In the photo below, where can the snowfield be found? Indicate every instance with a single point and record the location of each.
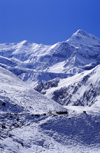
(50, 96)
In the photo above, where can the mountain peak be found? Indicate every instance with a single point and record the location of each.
(82, 32)
(83, 37)
(26, 42)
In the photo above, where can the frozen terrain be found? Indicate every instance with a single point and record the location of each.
(29, 122)
(34, 63)
(79, 90)
(63, 115)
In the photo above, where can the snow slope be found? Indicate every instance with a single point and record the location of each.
(15, 93)
(36, 62)
(28, 122)
(67, 72)
(81, 89)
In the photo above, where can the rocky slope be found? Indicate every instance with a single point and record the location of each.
(82, 89)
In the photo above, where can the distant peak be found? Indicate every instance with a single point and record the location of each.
(83, 37)
(82, 32)
(25, 42)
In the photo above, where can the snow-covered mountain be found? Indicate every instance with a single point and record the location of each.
(29, 122)
(16, 96)
(65, 115)
(20, 107)
(36, 62)
(81, 89)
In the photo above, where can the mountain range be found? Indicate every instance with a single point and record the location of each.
(49, 96)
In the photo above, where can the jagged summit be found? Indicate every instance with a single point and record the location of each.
(83, 37)
(82, 32)
(36, 62)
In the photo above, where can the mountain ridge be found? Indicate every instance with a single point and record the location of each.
(66, 118)
(23, 57)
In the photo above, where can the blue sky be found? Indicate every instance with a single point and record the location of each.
(47, 21)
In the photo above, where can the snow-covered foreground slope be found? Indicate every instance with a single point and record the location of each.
(20, 97)
(49, 134)
(29, 122)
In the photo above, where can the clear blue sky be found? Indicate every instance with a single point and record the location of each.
(47, 21)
